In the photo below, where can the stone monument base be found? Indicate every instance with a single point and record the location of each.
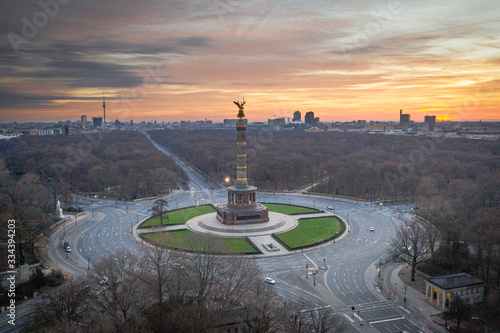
(257, 213)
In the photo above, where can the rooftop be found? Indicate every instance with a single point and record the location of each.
(453, 281)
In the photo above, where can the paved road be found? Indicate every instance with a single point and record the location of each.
(348, 280)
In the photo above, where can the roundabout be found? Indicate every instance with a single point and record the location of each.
(305, 228)
(347, 282)
(209, 224)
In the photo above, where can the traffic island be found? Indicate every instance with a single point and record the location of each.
(311, 232)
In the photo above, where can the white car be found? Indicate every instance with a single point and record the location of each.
(330, 207)
(68, 249)
(269, 280)
(372, 229)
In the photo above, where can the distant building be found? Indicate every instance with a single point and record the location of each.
(84, 120)
(297, 116)
(313, 130)
(309, 118)
(49, 131)
(97, 121)
(440, 290)
(30, 132)
(316, 121)
(430, 122)
(404, 121)
(232, 122)
(276, 122)
(362, 122)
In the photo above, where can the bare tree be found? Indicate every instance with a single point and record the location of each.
(157, 269)
(304, 316)
(237, 279)
(432, 234)
(122, 296)
(67, 303)
(458, 310)
(204, 269)
(411, 241)
(267, 310)
(160, 209)
(324, 321)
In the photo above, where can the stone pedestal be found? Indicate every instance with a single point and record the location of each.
(242, 207)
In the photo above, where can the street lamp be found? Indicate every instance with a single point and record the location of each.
(314, 275)
(314, 204)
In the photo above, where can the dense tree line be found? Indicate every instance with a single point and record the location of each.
(119, 164)
(36, 171)
(357, 165)
(165, 291)
(455, 184)
(28, 202)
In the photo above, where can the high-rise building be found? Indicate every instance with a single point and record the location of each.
(404, 120)
(97, 121)
(309, 118)
(297, 116)
(430, 122)
(316, 121)
(84, 120)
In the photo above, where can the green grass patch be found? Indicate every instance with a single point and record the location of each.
(290, 209)
(309, 230)
(183, 239)
(179, 216)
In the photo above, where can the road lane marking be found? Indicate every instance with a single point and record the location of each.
(407, 311)
(310, 260)
(385, 320)
(350, 319)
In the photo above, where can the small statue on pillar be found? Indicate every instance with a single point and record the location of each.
(241, 113)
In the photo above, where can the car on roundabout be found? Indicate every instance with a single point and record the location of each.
(269, 280)
(372, 229)
(330, 207)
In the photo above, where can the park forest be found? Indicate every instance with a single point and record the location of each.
(36, 171)
(454, 183)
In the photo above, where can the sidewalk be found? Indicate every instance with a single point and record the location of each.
(425, 316)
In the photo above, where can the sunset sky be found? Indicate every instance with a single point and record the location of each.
(188, 60)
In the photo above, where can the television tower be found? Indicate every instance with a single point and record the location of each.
(104, 109)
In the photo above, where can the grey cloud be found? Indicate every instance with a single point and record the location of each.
(12, 100)
(80, 73)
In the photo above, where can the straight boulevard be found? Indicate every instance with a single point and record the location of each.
(348, 280)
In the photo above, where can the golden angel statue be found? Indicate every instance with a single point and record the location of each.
(241, 113)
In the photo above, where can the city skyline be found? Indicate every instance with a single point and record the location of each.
(171, 61)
